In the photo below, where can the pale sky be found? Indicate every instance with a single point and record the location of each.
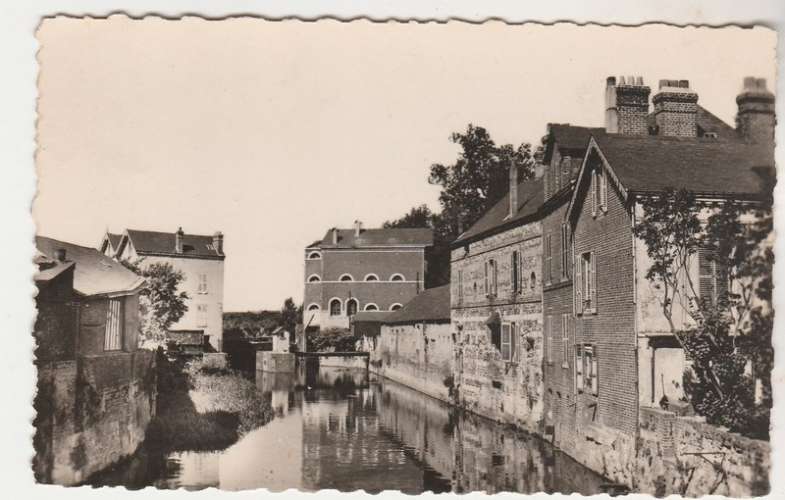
(273, 132)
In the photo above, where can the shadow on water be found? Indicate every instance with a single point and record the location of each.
(344, 429)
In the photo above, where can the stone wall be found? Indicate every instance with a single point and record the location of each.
(506, 390)
(418, 355)
(686, 456)
(91, 412)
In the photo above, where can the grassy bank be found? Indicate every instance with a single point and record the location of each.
(203, 409)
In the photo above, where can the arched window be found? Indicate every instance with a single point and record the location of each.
(532, 280)
(395, 307)
(397, 277)
(314, 256)
(313, 307)
(346, 277)
(371, 307)
(351, 307)
(335, 307)
(314, 278)
(371, 277)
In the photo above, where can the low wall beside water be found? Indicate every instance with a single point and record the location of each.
(91, 412)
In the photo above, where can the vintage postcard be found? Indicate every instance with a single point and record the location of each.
(419, 257)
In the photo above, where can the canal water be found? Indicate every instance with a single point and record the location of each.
(346, 429)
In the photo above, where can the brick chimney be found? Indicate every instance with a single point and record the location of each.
(335, 235)
(626, 105)
(60, 254)
(218, 241)
(178, 240)
(755, 119)
(358, 227)
(513, 207)
(676, 109)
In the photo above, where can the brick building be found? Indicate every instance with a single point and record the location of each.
(610, 355)
(496, 308)
(201, 260)
(96, 390)
(351, 270)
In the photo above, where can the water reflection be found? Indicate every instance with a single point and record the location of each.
(341, 429)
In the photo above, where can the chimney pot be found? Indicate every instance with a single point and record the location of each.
(178, 240)
(756, 119)
(513, 208)
(335, 236)
(60, 254)
(358, 227)
(676, 109)
(218, 242)
(610, 81)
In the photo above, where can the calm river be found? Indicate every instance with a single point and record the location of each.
(346, 430)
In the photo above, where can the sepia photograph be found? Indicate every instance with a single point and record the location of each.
(404, 256)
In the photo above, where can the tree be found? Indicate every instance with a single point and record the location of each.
(418, 217)
(731, 328)
(161, 304)
(289, 315)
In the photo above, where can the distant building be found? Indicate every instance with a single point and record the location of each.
(96, 390)
(200, 258)
(351, 270)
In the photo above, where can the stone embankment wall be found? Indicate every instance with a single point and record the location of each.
(354, 362)
(91, 412)
(687, 456)
(418, 355)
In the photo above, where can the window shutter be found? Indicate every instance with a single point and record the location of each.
(485, 289)
(505, 343)
(593, 282)
(579, 368)
(593, 193)
(578, 284)
(520, 272)
(513, 342)
(603, 190)
(595, 389)
(707, 283)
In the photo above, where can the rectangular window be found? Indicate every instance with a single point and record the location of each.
(514, 272)
(565, 340)
(491, 278)
(202, 288)
(201, 315)
(586, 278)
(579, 368)
(586, 369)
(548, 258)
(486, 287)
(506, 341)
(113, 336)
(593, 192)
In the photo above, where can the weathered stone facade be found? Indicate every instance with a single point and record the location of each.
(504, 388)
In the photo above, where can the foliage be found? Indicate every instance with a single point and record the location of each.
(252, 323)
(290, 314)
(161, 303)
(477, 179)
(731, 331)
(332, 340)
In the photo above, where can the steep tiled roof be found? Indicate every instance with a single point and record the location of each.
(569, 138)
(95, 273)
(159, 243)
(703, 166)
(530, 199)
(371, 316)
(114, 239)
(433, 304)
(378, 237)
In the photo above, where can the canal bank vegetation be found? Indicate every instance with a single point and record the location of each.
(202, 409)
(332, 340)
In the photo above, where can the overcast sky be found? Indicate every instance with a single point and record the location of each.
(273, 132)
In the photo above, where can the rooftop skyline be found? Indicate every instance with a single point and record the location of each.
(273, 132)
